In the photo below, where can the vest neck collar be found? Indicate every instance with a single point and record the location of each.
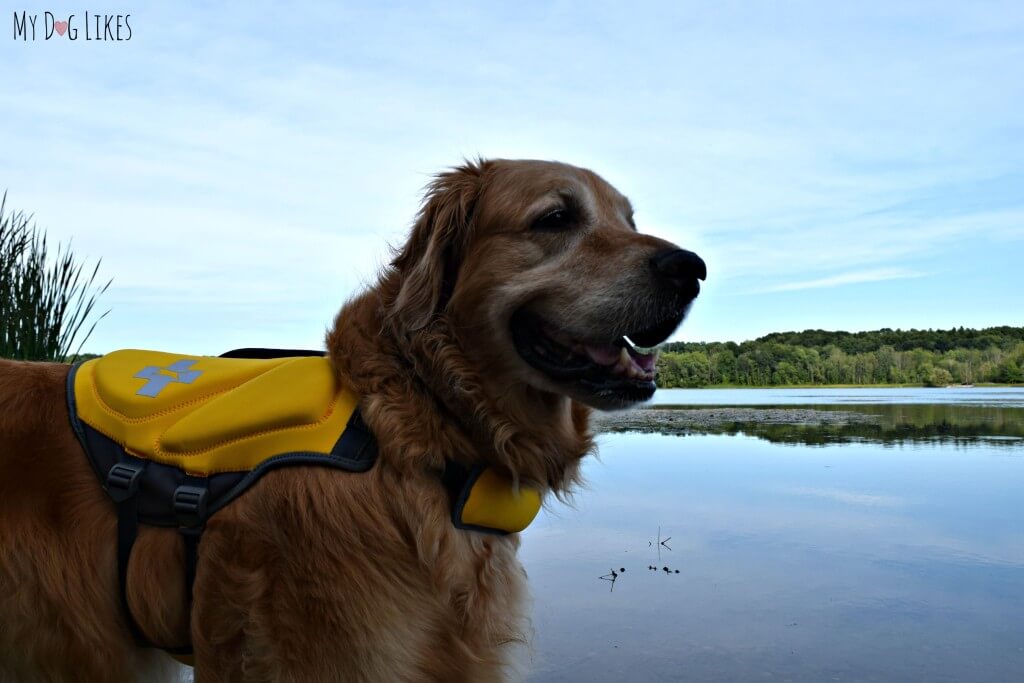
(484, 500)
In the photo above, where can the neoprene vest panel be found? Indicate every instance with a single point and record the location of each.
(224, 421)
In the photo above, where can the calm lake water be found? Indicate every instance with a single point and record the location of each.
(892, 552)
(1011, 397)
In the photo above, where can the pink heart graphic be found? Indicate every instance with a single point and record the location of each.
(60, 26)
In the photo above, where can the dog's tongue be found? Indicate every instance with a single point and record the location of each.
(604, 354)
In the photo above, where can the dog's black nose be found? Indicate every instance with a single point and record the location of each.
(679, 267)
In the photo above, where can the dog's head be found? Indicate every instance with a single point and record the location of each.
(540, 273)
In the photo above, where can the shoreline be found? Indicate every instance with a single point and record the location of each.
(683, 420)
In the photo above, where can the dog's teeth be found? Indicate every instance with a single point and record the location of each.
(624, 358)
(642, 350)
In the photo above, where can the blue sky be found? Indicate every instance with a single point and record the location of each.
(242, 170)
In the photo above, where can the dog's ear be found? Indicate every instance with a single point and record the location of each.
(428, 263)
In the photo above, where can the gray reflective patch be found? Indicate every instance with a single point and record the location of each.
(157, 380)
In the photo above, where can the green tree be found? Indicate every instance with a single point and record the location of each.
(1010, 371)
(723, 367)
(938, 377)
(994, 354)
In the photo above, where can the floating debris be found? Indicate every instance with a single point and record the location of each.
(611, 577)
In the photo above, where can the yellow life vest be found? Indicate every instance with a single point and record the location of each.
(206, 415)
(176, 437)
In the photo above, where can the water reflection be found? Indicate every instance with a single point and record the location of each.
(888, 424)
(844, 562)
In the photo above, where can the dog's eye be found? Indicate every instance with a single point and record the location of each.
(559, 219)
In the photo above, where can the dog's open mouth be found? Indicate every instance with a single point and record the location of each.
(621, 370)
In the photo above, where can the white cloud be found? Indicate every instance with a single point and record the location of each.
(849, 278)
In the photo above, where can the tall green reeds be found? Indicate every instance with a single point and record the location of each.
(44, 303)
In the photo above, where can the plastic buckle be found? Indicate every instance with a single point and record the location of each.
(190, 505)
(123, 480)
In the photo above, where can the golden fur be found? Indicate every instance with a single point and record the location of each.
(317, 575)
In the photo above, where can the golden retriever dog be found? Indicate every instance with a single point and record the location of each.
(524, 297)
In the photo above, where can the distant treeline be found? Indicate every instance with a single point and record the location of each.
(929, 357)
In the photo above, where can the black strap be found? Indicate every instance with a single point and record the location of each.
(264, 354)
(190, 507)
(454, 479)
(122, 485)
